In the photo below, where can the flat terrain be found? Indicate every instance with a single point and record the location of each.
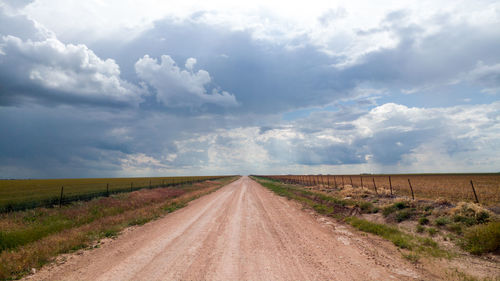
(242, 231)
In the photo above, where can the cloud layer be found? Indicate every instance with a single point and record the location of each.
(262, 88)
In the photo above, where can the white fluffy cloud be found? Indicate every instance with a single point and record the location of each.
(32, 57)
(178, 87)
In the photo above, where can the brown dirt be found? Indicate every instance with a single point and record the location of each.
(242, 231)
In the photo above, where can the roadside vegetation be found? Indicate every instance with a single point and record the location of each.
(32, 238)
(421, 228)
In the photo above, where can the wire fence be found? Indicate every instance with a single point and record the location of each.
(18, 195)
(480, 188)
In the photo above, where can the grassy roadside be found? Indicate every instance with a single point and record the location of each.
(32, 238)
(411, 246)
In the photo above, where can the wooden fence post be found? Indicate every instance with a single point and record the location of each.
(342, 181)
(335, 179)
(60, 198)
(390, 184)
(411, 188)
(474, 190)
(107, 189)
(361, 177)
(351, 181)
(374, 185)
(131, 185)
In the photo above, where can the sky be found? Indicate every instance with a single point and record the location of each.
(123, 88)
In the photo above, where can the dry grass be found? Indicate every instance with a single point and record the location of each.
(79, 224)
(452, 187)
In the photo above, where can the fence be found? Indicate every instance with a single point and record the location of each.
(483, 188)
(25, 194)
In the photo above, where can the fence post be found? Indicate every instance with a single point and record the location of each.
(374, 185)
(411, 188)
(107, 189)
(361, 177)
(335, 179)
(342, 181)
(474, 190)
(131, 184)
(60, 198)
(149, 183)
(352, 185)
(328, 180)
(390, 184)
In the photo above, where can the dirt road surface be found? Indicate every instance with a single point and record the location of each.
(240, 232)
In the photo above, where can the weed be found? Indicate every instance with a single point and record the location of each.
(404, 214)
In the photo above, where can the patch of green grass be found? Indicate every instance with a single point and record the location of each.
(483, 238)
(390, 233)
(170, 207)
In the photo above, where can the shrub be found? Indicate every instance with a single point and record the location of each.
(394, 207)
(404, 215)
(469, 221)
(423, 221)
(483, 238)
(432, 231)
(367, 207)
(420, 229)
(442, 221)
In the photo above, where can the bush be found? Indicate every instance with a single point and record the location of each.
(442, 221)
(394, 207)
(423, 221)
(404, 215)
(483, 238)
(469, 221)
(432, 231)
(420, 229)
(367, 207)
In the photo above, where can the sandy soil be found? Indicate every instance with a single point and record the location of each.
(240, 232)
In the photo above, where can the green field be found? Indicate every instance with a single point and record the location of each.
(24, 194)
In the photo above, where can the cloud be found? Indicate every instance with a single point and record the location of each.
(43, 68)
(176, 87)
(487, 76)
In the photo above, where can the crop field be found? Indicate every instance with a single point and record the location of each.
(25, 194)
(452, 187)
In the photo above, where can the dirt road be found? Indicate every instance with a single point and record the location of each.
(240, 232)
